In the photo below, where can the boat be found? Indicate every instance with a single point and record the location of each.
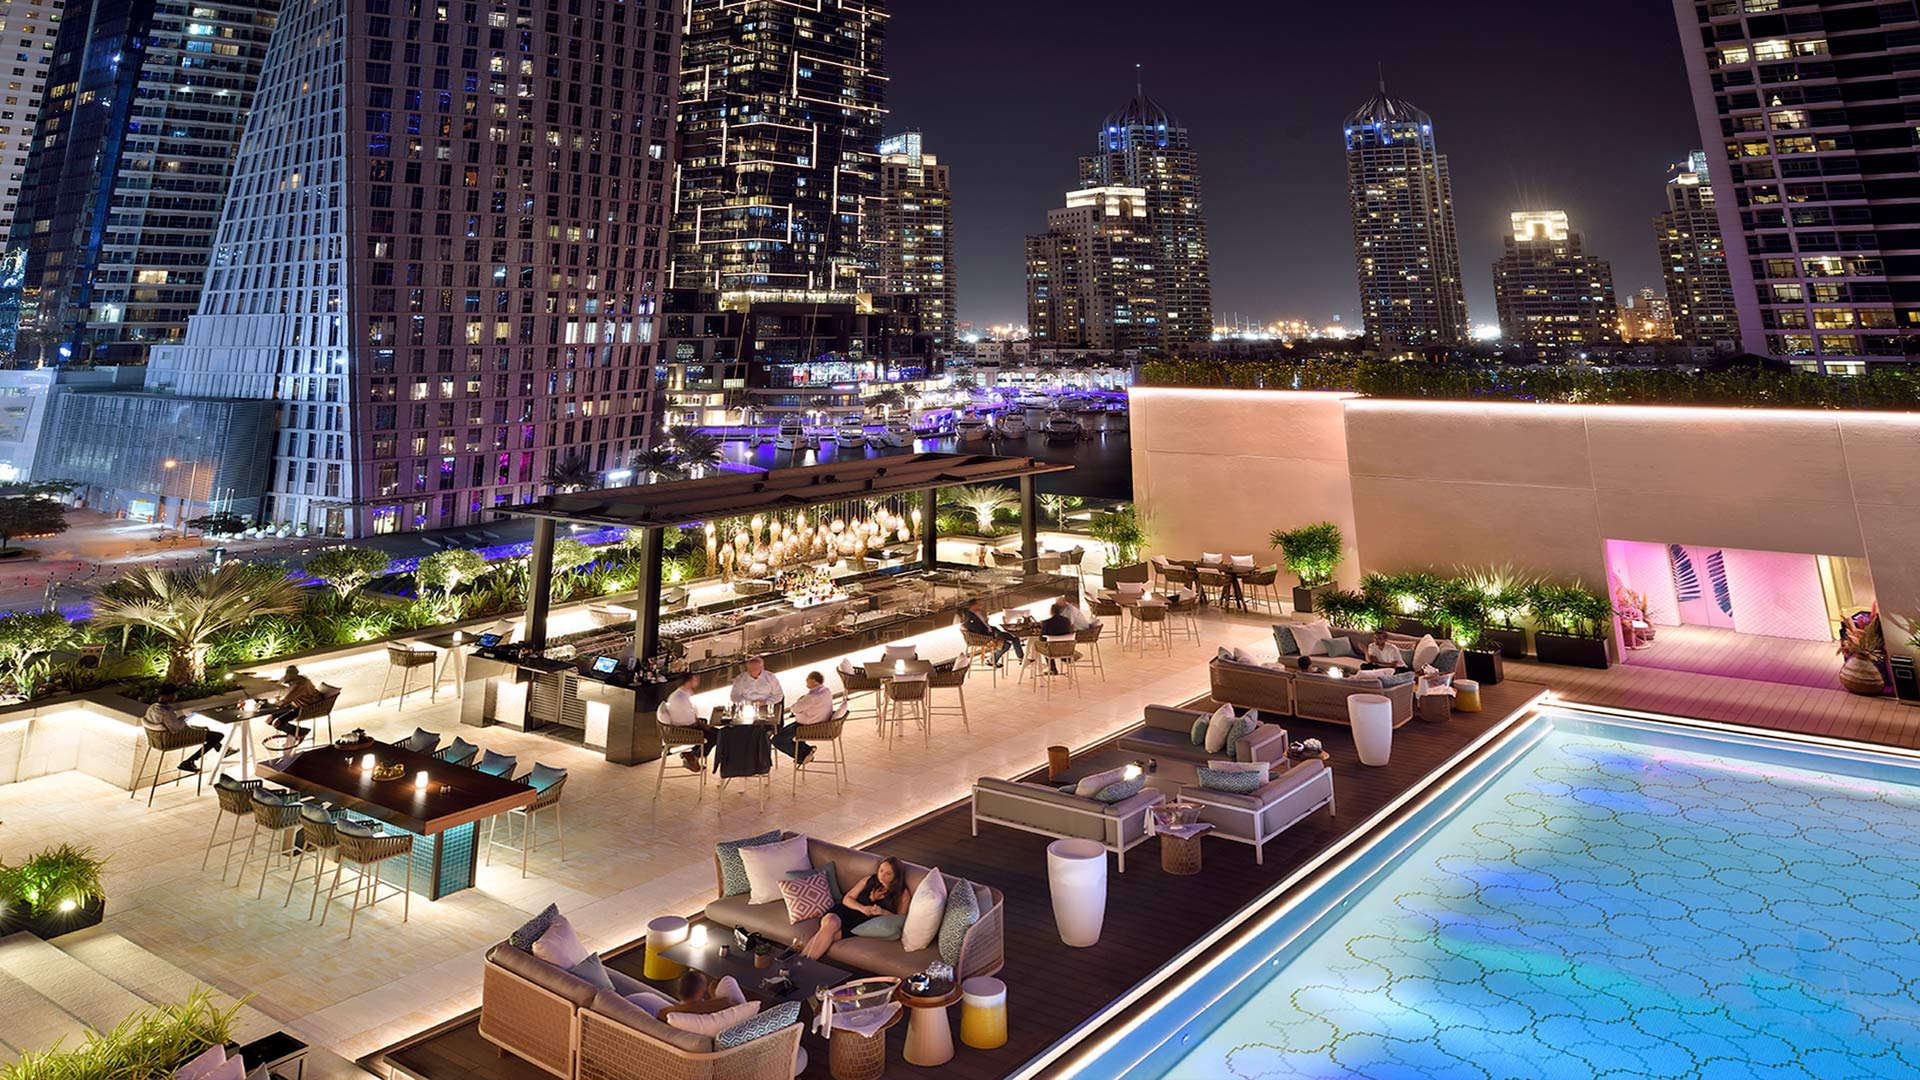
(1087, 414)
(1012, 424)
(897, 434)
(794, 436)
(970, 428)
(851, 432)
(1061, 427)
(1117, 419)
(1034, 399)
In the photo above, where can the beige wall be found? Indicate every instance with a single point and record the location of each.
(1445, 484)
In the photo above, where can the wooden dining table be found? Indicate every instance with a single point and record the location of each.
(1233, 575)
(444, 816)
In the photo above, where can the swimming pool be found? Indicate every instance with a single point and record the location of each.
(1598, 897)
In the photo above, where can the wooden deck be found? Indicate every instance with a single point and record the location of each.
(1709, 650)
(1151, 916)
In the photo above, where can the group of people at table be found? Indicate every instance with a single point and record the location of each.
(760, 689)
(297, 692)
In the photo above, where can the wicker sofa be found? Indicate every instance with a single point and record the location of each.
(1282, 691)
(1269, 810)
(560, 1023)
(982, 951)
(1037, 808)
(1166, 732)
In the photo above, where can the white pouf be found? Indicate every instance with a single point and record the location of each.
(1371, 717)
(1077, 878)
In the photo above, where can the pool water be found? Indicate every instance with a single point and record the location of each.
(1609, 904)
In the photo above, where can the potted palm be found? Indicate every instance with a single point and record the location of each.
(1503, 596)
(1463, 613)
(1350, 610)
(54, 892)
(1312, 553)
(1572, 625)
(1410, 600)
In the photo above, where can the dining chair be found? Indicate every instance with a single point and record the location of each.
(674, 740)
(820, 736)
(1151, 625)
(276, 816)
(365, 848)
(318, 839)
(907, 700)
(1105, 610)
(981, 649)
(1263, 584)
(954, 679)
(406, 659)
(457, 752)
(1182, 618)
(320, 708)
(523, 822)
(856, 683)
(1060, 657)
(496, 764)
(162, 740)
(1089, 640)
(235, 805)
(421, 741)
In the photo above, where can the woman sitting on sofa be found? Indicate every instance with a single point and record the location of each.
(883, 892)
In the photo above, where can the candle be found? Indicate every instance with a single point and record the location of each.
(1133, 771)
(366, 763)
(698, 936)
(420, 780)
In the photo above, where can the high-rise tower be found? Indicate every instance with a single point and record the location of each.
(1692, 259)
(28, 29)
(1405, 248)
(442, 253)
(1142, 146)
(1090, 278)
(131, 158)
(1554, 298)
(915, 235)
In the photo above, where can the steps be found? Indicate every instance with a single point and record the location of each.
(93, 979)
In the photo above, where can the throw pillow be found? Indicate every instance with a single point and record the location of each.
(833, 878)
(593, 971)
(1446, 658)
(1237, 783)
(806, 896)
(1264, 768)
(884, 927)
(713, 1023)
(767, 864)
(1224, 653)
(1197, 735)
(1212, 558)
(1242, 656)
(1242, 727)
(962, 911)
(1217, 725)
(208, 1060)
(649, 1002)
(531, 930)
(1131, 588)
(1312, 637)
(1340, 645)
(1089, 785)
(1391, 679)
(559, 946)
(1120, 790)
(1243, 562)
(924, 912)
(733, 873)
(1424, 651)
(778, 1018)
(1283, 637)
(846, 668)
(234, 1068)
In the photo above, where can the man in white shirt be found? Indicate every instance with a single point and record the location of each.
(757, 685)
(813, 707)
(1383, 652)
(1075, 615)
(680, 711)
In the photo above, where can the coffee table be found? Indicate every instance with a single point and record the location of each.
(808, 976)
(929, 1035)
(1168, 775)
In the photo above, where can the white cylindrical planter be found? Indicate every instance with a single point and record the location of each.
(1077, 878)
(1371, 717)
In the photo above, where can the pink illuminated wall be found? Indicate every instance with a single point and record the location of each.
(1753, 592)
(1643, 568)
(1776, 594)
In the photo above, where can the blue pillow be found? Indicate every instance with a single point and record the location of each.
(1283, 637)
(459, 751)
(884, 927)
(1340, 645)
(769, 1021)
(531, 930)
(1445, 659)
(275, 798)
(496, 764)
(545, 776)
(1197, 735)
(593, 971)
(1237, 783)
(1398, 678)
(1241, 728)
(1120, 790)
(421, 741)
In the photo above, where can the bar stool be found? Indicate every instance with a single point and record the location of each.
(676, 738)
(277, 815)
(1090, 655)
(317, 838)
(421, 741)
(907, 699)
(981, 649)
(819, 736)
(235, 798)
(859, 682)
(546, 782)
(1263, 585)
(457, 752)
(954, 679)
(1181, 619)
(321, 708)
(1107, 609)
(406, 659)
(983, 1013)
(1151, 625)
(164, 740)
(1054, 660)
(1214, 577)
(366, 851)
(496, 764)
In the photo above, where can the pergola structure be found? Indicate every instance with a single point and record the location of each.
(654, 508)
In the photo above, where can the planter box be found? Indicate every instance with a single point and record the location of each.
(1401, 624)
(1303, 596)
(1574, 651)
(1511, 644)
(1484, 667)
(1112, 576)
(54, 923)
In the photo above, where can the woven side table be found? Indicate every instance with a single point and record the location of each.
(859, 1057)
(1180, 848)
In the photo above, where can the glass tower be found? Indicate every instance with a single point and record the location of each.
(1405, 248)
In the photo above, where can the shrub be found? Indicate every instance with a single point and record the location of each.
(1312, 552)
(445, 571)
(1121, 534)
(1351, 610)
(149, 1045)
(345, 568)
(1573, 610)
(47, 880)
(1463, 613)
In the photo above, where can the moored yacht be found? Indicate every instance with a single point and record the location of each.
(1061, 427)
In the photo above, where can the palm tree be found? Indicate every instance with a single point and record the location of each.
(695, 450)
(889, 399)
(657, 463)
(983, 501)
(191, 607)
(572, 473)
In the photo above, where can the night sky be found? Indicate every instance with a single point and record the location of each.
(1577, 106)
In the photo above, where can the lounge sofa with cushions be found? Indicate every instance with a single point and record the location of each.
(1268, 810)
(567, 1026)
(1166, 732)
(1038, 808)
(1282, 691)
(1251, 686)
(982, 949)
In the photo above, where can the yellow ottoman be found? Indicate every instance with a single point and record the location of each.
(1466, 695)
(664, 933)
(983, 1013)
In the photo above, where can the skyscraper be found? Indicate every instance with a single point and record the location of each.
(780, 120)
(130, 160)
(1646, 316)
(1553, 297)
(915, 236)
(1692, 259)
(1805, 116)
(1142, 146)
(1090, 276)
(443, 259)
(28, 29)
(1404, 244)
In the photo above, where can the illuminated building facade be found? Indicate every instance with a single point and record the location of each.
(1091, 279)
(443, 260)
(1807, 115)
(915, 239)
(1553, 297)
(1646, 316)
(1692, 259)
(131, 157)
(28, 29)
(1405, 249)
(1142, 146)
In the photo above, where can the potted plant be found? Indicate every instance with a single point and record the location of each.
(1350, 610)
(1410, 600)
(1865, 648)
(53, 892)
(1312, 553)
(153, 1042)
(1503, 595)
(1121, 536)
(1572, 625)
(1463, 613)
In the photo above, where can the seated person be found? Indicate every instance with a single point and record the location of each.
(973, 619)
(1057, 624)
(1384, 653)
(1075, 615)
(299, 693)
(757, 686)
(680, 711)
(883, 892)
(162, 714)
(813, 707)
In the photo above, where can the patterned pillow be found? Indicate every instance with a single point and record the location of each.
(1238, 783)
(1241, 729)
(1120, 789)
(833, 877)
(1198, 735)
(963, 910)
(806, 895)
(733, 872)
(774, 1019)
(531, 930)
(1445, 659)
(1283, 637)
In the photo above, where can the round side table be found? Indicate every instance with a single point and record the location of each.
(929, 1035)
(858, 1057)
(1180, 854)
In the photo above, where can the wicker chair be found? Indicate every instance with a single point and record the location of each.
(857, 683)
(907, 699)
(1150, 625)
(523, 822)
(235, 798)
(820, 736)
(421, 741)
(1263, 585)
(458, 752)
(1105, 610)
(1182, 618)
(610, 1049)
(1052, 660)
(1211, 577)
(1089, 640)
(163, 740)
(280, 822)
(981, 649)
(405, 658)
(321, 708)
(674, 738)
(317, 838)
(365, 854)
(955, 680)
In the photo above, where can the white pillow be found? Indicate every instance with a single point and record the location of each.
(1264, 768)
(1212, 558)
(559, 945)
(925, 911)
(1091, 785)
(210, 1059)
(713, 1023)
(1437, 684)
(1131, 588)
(234, 1068)
(1218, 725)
(903, 652)
(846, 667)
(1312, 637)
(770, 864)
(1243, 562)
(1424, 651)
(1242, 656)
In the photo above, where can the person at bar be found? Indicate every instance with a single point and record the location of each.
(757, 686)
(162, 714)
(973, 619)
(299, 693)
(679, 711)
